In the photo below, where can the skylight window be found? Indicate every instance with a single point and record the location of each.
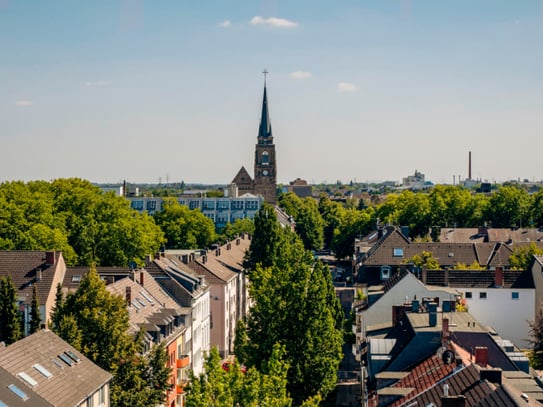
(66, 359)
(27, 379)
(136, 305)
(2, 404)
(73, 356)
(144, 294)
(397, 252)
(22, 395)
(143, 303)
(57, 363)
(76, 278)
(42, 370)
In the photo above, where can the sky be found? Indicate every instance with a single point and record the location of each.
(358, 90)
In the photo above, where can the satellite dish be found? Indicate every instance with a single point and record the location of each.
(447, 357)
(440, 351)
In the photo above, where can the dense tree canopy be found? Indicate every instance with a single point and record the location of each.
(75, 217)
(306, 215)
(184, 228)
(295, 306)
(10, 318)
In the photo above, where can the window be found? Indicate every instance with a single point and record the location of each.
(265, 158)
(138, 205)
(43, 370)
(237, 205)
(515, 295)
(194, 204)
(22, 395)
(101, 397)
(385, 273)
(482, 295)
(209, 205)
(151, 205)
(76, 278)
(469, 295)
(397, 252)
(27, 379)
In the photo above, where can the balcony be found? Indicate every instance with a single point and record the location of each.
(183, 361)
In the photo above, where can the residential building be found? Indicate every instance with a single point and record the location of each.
(221, 210)
(190, 291)
(47, 371)
(224, 272)
(29, 268)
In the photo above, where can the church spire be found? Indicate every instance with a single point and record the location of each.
(265, 131)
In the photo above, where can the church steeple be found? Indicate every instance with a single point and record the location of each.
(265, 180)
(265, 131)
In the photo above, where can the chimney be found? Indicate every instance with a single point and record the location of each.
(148, 260)
(481, 355)
(228, 246)
(237, 241)
(50, 258)
(498, 276)
(38, 274)
(432, 314)
(491, 375)
(128, 295)
(204, 258)
(141, 278)
(445, 328)
(453, 401)
(398, 311)
(469, 166)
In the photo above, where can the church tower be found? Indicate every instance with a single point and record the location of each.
(265, 179)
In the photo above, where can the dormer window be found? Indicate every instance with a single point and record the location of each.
(385, 273)
(397, 252)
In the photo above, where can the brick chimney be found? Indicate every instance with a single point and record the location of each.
(50, 258)
(141, 278)
(128, 295)
(481, 355)
(498, 276)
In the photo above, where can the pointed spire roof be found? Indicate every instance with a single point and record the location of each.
(265, 130)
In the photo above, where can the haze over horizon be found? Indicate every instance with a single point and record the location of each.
(361, 90)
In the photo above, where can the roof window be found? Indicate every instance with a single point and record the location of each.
(397, 252)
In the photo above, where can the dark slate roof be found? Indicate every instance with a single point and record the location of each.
(69, 385)
(23, 265)
(466, 381)
(265, 130)
(496, 356)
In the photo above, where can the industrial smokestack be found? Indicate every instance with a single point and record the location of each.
(469, 167)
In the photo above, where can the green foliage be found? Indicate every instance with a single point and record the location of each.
(10, 318)
(353, 224)
(509, 207)
(75, 217)
(309, 222)
(184, 228)
(424, 260)
(294, 305)
(522, 256)
(473, 266)
(536, 340)
(35, 314)
(217, 387)
(239, 227)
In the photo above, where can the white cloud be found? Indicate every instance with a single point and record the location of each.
(24, 103)
(300, 75)
(224, 24)
(273, 22)
(97, 83)
(346, 87)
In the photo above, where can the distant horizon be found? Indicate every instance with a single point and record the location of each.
(357, 90)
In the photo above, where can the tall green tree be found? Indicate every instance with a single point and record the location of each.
(509, 207)
(536, 340)
(237, 228)
(10, 318)
(295, 306)
(522, 256)
(234, 387)
(35, 314)
(184, 228)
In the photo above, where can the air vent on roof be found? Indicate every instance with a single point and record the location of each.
(42, 370)
(27, 379)
(22, 395)
(57, 363)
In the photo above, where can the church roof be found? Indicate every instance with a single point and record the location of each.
(265, 131)
(242, 177)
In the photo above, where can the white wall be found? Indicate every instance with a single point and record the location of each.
(508, 316)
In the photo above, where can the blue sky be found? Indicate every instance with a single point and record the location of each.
(358, 90)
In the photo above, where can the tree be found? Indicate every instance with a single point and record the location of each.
(295, 305)
(239, 227)
(509, 207)
(217, 387)
(473, 266)
(266, 240)
(35, 314)
(522, 256)
(10, 318)
(536, 339)
(354, 224)
(184, 228)
(424, 260)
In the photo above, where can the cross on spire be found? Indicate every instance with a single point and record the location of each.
(265, 72)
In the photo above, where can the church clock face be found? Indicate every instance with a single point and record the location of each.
(265, 172)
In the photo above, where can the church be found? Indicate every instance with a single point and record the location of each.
(264, 182)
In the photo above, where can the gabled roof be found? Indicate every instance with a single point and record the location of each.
(225, 263)
(68, 385)
(242, 177)
(32, 267)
